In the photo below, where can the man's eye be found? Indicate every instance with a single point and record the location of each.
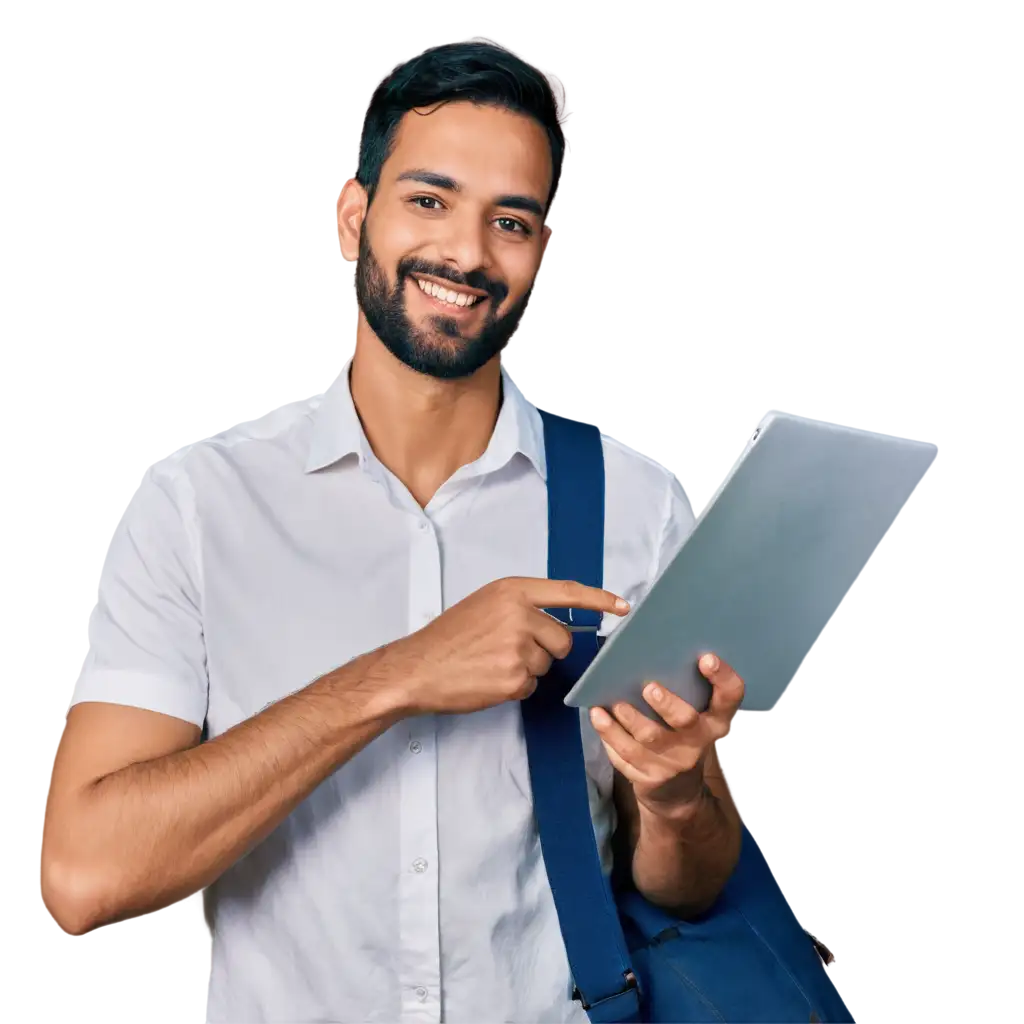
(514, 225)
(419, 200)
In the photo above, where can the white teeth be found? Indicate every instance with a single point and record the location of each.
(446, 295)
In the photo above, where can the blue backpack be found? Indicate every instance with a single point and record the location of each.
(747, 958)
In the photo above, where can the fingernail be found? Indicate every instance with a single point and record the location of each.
(621, 605)
(654, 692)
(598, 716)
(710, 662)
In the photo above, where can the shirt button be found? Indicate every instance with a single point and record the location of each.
(419, 865)
(421, 993)
(423, 524)
(415, 746)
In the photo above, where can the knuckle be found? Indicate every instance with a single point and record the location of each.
(564, 644)
(686, 716)
(524, 679)
(510, 660)
(519, 616)
(511, 636)
(509, 614)
(527, 688)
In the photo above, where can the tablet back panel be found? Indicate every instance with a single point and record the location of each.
(765, 566)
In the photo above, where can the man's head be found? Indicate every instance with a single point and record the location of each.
(459, 161)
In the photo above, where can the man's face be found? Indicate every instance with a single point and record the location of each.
(458, 209)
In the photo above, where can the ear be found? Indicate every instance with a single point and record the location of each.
(352, 205)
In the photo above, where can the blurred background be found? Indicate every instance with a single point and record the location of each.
(808, 207)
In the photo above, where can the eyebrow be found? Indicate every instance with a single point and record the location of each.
(511, 202)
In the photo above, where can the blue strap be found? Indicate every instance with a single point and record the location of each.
(595, 945)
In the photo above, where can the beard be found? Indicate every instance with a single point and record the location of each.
(440, 350)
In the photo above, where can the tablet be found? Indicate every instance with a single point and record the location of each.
(765, 566)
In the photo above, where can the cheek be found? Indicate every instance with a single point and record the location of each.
(393, 238)
(405, 236)
(519, 275)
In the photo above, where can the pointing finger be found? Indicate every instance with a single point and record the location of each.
(570, 594)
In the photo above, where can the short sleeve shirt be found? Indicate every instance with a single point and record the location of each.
(409, 885)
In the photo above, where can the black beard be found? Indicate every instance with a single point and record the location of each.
(385, 313)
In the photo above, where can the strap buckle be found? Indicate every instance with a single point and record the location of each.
(630, 984)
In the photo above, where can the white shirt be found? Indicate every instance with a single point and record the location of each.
(409, 886)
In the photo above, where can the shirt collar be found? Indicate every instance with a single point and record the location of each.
(337, 431)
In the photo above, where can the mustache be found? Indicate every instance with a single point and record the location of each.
(498, 290)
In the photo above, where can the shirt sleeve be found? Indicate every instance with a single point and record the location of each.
(677, 524)
(146, 645)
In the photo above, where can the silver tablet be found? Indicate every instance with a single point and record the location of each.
(765, 566)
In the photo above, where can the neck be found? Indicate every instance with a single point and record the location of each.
(422, 428)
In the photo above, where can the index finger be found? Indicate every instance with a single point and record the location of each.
(571, 594)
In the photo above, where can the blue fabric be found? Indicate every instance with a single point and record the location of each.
(748, 958)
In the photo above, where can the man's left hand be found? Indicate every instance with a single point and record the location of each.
(665, 763)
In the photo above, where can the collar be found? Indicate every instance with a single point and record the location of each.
(337, 431)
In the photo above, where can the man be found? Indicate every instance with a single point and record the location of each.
(364, 834)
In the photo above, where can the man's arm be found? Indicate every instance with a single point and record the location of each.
(140, 815)
(681, 865)
(680, 859)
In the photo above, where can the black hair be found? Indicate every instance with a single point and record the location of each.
(477, 71)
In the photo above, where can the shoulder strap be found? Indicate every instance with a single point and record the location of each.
(587, 914)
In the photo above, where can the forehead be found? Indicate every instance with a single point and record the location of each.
(488, 150)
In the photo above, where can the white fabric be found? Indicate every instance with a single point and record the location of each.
(409, 886)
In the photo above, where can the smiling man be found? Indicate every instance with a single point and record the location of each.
(314, 630)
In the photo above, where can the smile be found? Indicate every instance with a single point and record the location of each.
(447, 295)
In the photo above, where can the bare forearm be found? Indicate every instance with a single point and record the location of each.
(683, 865)
(155, 832)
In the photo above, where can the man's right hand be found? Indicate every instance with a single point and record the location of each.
(492, 646)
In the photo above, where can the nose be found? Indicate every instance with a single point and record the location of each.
(464, 242)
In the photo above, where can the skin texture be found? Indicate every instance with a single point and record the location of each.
(140, 814)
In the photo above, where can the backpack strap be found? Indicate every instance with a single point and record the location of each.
(587, 914)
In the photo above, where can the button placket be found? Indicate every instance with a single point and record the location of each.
(419, 955)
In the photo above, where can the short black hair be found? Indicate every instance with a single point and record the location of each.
(478, 71)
